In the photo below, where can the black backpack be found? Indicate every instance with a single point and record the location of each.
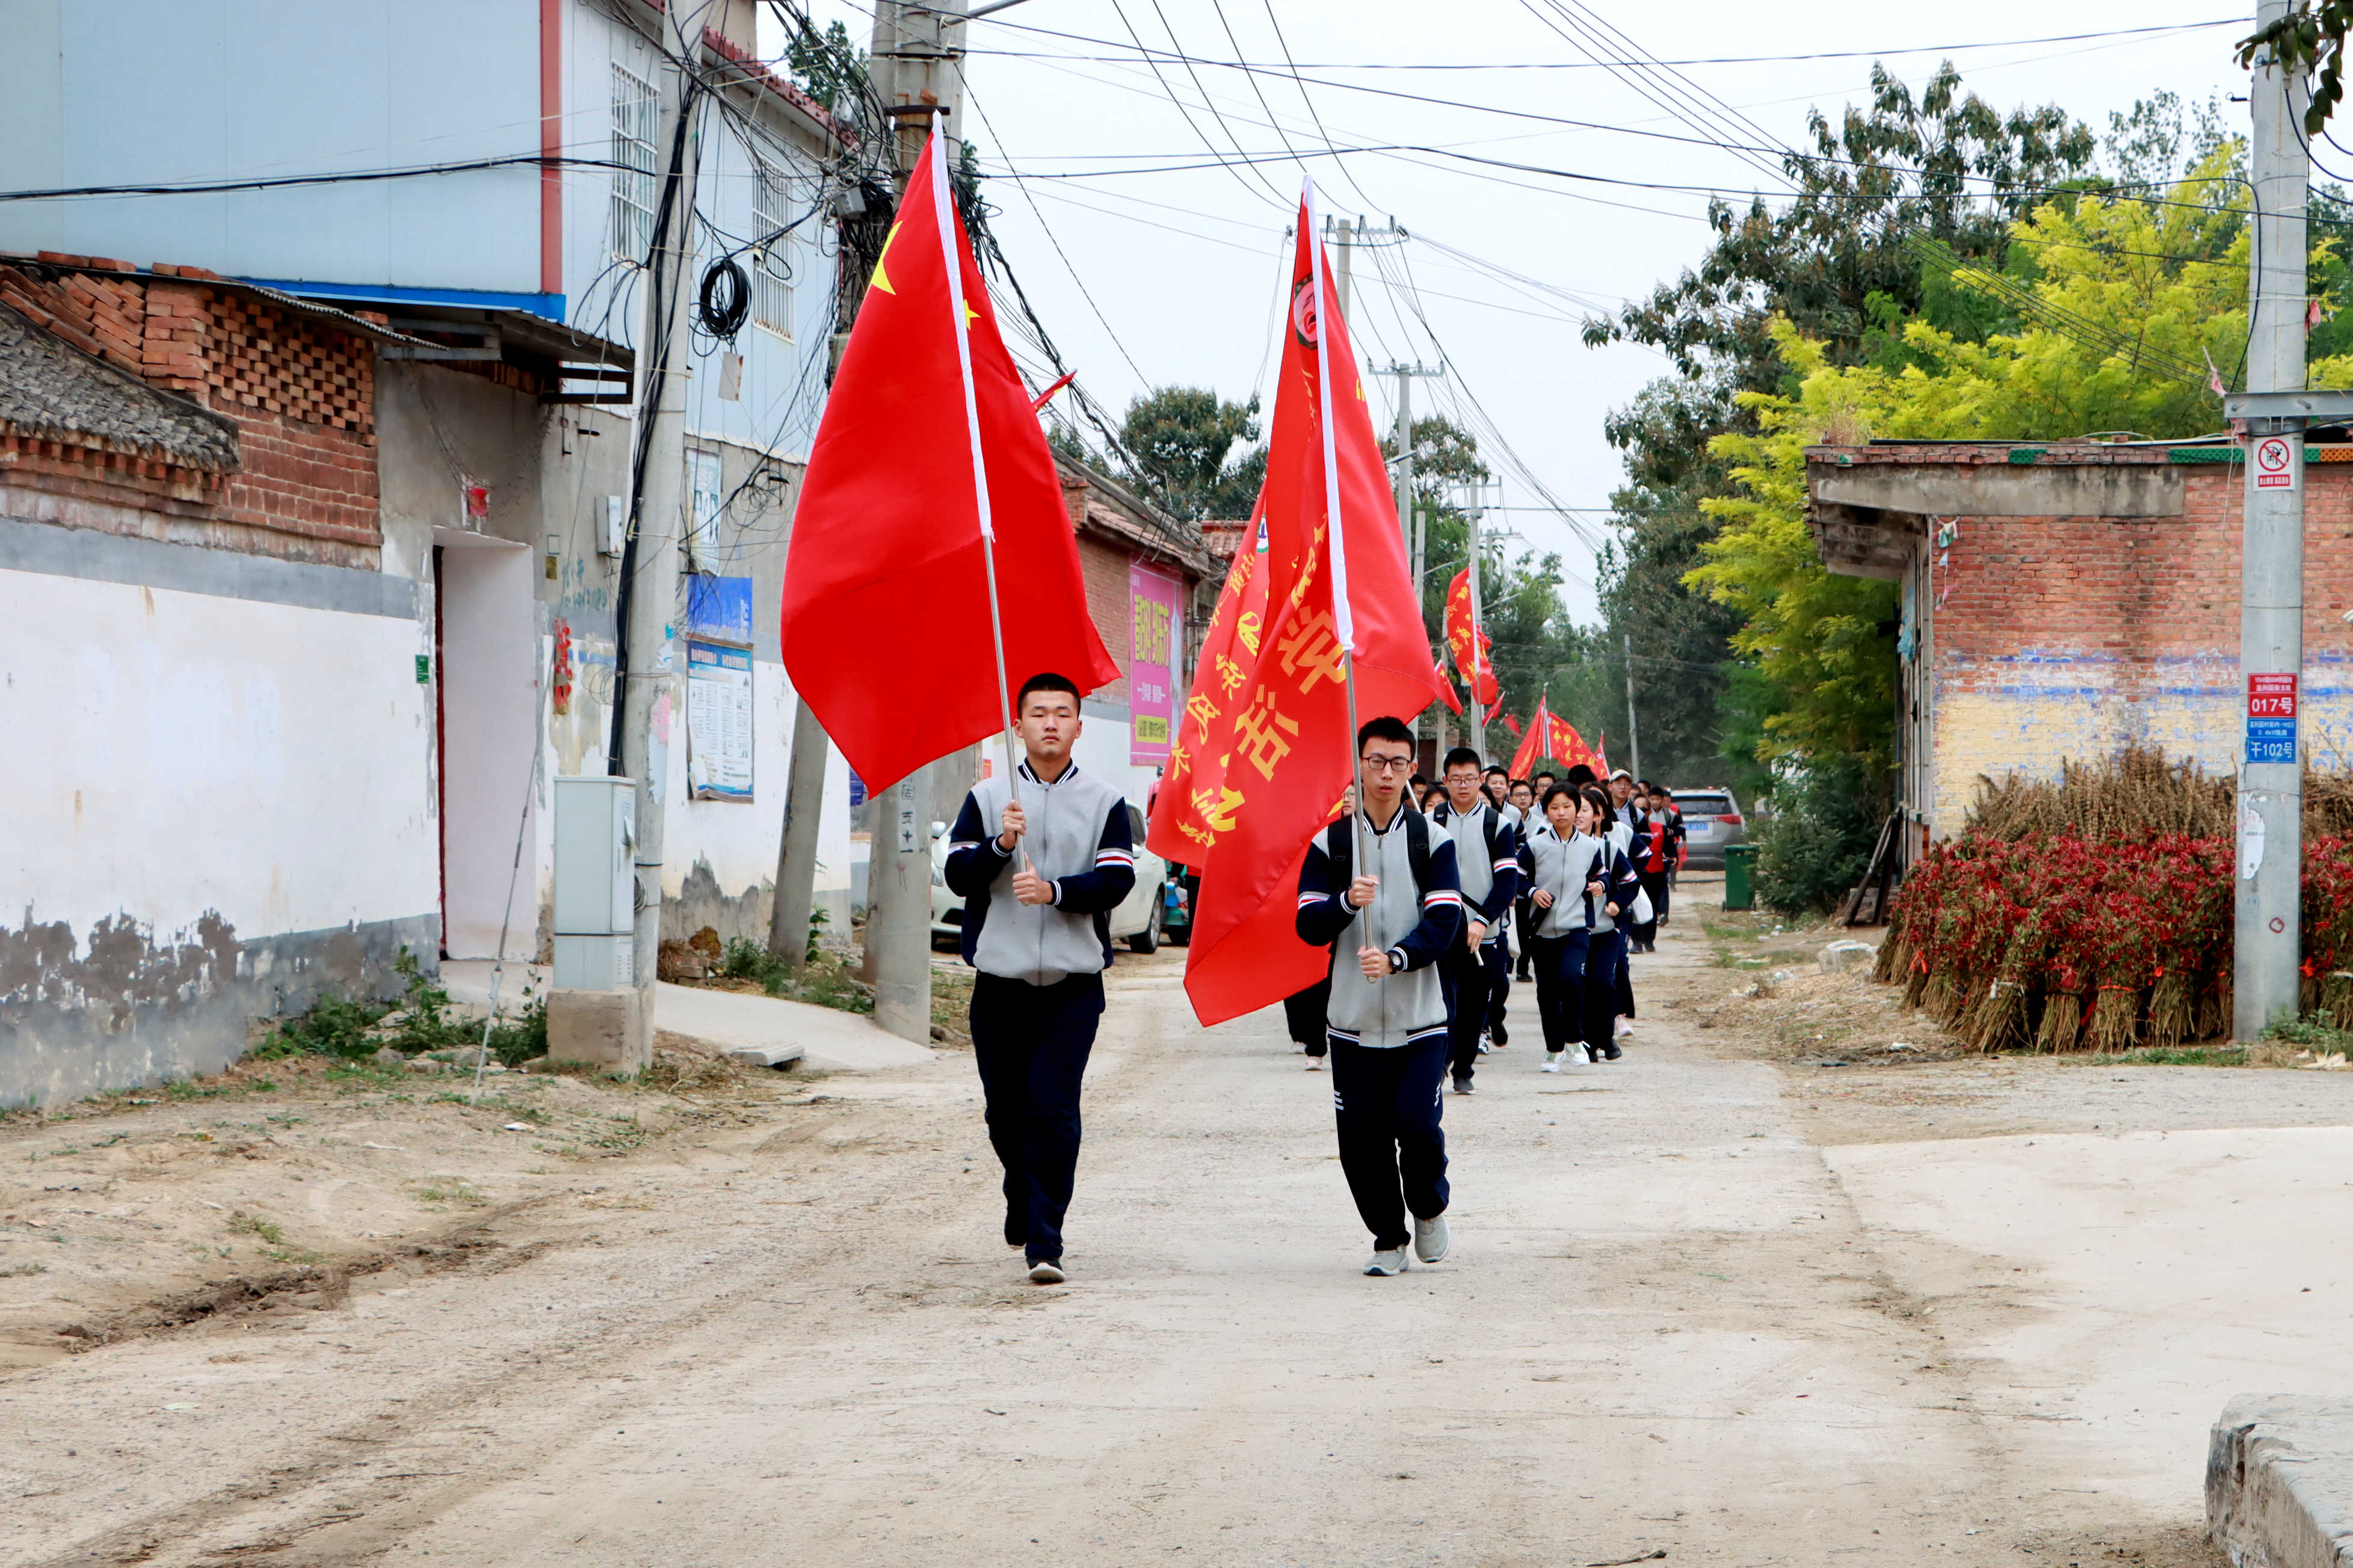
(1340, 849)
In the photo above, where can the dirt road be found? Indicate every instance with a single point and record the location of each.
(1702, 1307)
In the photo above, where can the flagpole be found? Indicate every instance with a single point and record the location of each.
(1342, 614)
(952, 254)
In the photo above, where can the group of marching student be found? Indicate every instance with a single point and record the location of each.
(1415, 907)
(1415, 898)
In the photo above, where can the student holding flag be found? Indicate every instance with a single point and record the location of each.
(931, 500)
(1390, 920)
(1040, 860)
(1319, 624)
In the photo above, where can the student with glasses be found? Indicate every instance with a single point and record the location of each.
(1379, 889)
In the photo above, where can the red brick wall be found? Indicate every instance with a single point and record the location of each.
(302, 394)
(1104, 567)
(2056, 639)
(2135, 589)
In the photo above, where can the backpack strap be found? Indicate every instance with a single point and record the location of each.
(1416, 851)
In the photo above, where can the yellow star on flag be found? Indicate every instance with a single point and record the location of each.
(882, 279)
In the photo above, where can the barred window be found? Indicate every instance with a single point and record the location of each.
(772, 270)
(634, 179)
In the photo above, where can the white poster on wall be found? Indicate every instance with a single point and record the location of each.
(718, 721)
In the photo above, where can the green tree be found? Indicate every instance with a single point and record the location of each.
(827, 67)
(1181, 440)
(1836, 261)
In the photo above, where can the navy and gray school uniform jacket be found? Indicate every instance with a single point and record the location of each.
(1563, 867)
(1419, 924)
(1077, 839)
(1623, 880)
(1486, 860)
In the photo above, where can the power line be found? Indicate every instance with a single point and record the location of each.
(2117, 33)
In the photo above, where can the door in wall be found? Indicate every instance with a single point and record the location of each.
(487, 664)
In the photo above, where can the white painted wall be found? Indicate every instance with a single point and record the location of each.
(179, 753)
(739, 839)
(173, 90)
(490, 697)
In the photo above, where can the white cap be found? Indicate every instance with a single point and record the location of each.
(1621, 774)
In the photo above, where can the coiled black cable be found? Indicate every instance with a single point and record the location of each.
(725, 302)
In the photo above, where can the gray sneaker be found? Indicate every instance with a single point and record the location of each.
(1046, 1271)
(1387, 1264)
(1432, 1240)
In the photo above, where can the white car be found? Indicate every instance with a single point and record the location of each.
(1137, 921)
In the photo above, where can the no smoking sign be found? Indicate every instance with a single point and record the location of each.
(2278, 463)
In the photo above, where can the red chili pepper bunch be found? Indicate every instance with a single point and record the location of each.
(2119, 913)
(2327, 905)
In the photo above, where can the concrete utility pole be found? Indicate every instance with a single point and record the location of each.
(1409, 517)
(2271, 589)
(1634, 743)
(917, 70)
(1340, 271)
(650, 563)
(796, 897)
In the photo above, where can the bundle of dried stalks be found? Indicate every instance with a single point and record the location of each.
(2139, 793)
(2135, 793)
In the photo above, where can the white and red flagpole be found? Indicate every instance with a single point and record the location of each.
(1343, 617)
(952, 253)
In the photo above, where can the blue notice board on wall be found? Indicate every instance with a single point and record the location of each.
(719, 609)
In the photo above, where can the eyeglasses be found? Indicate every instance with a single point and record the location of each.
(1389, 765)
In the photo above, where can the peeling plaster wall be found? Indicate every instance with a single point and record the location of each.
(220, 802)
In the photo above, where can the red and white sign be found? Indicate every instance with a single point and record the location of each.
(2271, 696)
(2276, 463)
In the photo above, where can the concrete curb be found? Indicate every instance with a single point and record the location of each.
(2279, 1481)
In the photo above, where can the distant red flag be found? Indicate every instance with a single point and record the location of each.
(888, 532)
(1470, 641)
(1532, 743)
(1513, 726)
(1335, 579)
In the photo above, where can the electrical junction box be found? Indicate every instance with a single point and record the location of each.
(595, 882)
(613, 528)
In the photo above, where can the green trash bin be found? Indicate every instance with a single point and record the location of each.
(1740, 876)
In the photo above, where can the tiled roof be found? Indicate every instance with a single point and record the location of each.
(52, 390)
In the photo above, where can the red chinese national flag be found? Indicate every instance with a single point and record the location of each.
(1267, 741)
(1470, 641)
(923, 448)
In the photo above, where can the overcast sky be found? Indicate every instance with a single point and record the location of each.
(1183, 265)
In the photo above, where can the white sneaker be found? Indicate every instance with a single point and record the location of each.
(1625, 1028)
(1386, 1264)
(1431, 1239)
(1315, 1064)
(1486, 1043)
(1046, 1271)
(1551, 1062)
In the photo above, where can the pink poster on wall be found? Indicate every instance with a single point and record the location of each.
(1152, 597)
